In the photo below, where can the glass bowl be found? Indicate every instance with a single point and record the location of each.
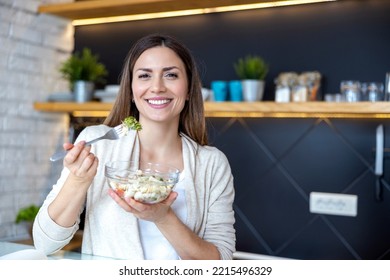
(145, 182)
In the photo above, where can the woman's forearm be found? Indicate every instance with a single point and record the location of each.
(65, 208)
(187, 244)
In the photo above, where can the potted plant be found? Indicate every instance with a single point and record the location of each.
(83, 71)
(27, 214)
(252, 71)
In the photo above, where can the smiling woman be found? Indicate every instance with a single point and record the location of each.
(161, 89)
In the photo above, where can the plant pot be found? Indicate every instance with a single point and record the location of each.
(83, 91)
(252, 90)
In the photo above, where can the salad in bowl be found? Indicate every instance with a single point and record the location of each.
(144, 181)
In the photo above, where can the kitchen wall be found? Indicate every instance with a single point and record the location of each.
(31, 48)
(347, 39)
(281, 161)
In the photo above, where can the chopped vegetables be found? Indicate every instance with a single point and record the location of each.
(131, 123)
(147, 188)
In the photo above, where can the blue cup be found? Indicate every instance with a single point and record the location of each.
(220, 90)
(235, 90)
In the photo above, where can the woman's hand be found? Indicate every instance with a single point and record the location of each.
(151, 212)
(81, 163)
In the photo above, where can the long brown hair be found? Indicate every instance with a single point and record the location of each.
(192, 120)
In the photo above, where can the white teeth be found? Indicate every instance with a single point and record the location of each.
(158, 102)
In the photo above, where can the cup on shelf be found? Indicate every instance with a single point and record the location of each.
(372, 91)
(235, 91)
(351, 91)
(220, 90)
(333, 97)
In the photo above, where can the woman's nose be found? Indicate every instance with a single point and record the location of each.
(158, 85)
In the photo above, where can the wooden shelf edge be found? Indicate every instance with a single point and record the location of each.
(244, 109)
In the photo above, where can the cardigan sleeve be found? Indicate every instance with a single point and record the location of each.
(220, 214)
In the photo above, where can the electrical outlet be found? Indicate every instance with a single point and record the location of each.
(333, 204)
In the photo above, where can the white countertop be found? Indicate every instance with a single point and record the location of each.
(7, 248)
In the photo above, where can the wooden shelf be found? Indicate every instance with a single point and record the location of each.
(243, 109)
(111, 8)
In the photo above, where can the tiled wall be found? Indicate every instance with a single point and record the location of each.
(31, 48)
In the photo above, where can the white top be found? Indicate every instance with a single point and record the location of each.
(154, 244)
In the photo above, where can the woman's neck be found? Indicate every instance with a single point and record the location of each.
(161, 144)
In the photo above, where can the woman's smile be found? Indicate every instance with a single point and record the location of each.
(158, 102)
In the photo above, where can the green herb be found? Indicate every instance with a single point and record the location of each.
(132, 123)
(27, 214)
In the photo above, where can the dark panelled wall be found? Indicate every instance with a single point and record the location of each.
(348, 39)
(278, 162)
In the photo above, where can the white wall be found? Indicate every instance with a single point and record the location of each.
(31, 49)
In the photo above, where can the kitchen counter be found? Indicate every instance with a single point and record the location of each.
(243, 109)
(9, 247)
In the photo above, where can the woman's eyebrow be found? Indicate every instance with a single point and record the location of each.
(168, 68)
(144, 69)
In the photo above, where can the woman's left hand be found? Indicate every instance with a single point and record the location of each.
(151, 212)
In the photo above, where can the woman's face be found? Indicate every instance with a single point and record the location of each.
(160, 85)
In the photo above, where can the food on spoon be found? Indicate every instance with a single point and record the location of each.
(131, 123)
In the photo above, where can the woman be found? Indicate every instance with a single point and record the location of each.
(160, 86)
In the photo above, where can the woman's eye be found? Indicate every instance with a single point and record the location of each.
(171, 75)
(143, 76)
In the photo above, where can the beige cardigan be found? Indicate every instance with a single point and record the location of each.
(110, 231)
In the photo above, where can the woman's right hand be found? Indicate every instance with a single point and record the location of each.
(81, 163)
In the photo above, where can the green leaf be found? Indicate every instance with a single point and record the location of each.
(27, 214)
(132, 123)
(84, 66)
(251, 67)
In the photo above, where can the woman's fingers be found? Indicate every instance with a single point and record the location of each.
(171, 198)
(80, 161)
(67, 146)
(88, 165)
(119, 200)
(75, 152)
(149, 212)
(129, 204)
